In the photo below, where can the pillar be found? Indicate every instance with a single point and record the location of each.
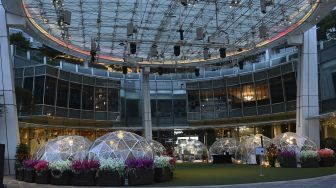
(146, 104)
(307, 88)
(9, 131)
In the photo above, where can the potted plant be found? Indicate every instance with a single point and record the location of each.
(22, 154)
(84, 172)
(163, 168)
(29, 171)
(111, 172)
(287, 159)
(272, 155)
(309, 159)
(42, 172)
(140, 171)
(327, 157)
(60, 172)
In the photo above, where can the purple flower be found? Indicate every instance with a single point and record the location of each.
(140, 163)
(85, 165)
(287, 154)
(29, 163)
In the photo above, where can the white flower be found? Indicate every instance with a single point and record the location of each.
(305, 154)
(112, 165)
(60, 165)
(162, 161)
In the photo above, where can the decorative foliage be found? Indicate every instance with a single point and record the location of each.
(41, 166)
(22, 154)
(29, 163)
(308, 154)
(112, 165)
(246, 149)
(85, 165)
(122, 145)
(287, 154)
(19, 40)
(326, 152)
(329, 143)
(64, 148)
(294, 142)
(61, 166)
(139, 163)
(163, 161)
(224, 145)
(272, 154)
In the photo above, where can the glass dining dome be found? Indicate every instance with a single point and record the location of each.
(293, 142)
(64, 148)
(122, 145)
(222, 145)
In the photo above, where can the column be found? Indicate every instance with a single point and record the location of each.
(146, 104)
(307, 88)
(9, 131)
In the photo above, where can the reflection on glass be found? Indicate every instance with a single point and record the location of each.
(207, 103)
(75, 95)
(62, 93)
(262, 93)
(113, 100)
(234, 97)
(276, 90)
(248, 94)
(290, 86)
(50, 90)
(87, 97)
(193, 101)
(39, 87)
(101, 99)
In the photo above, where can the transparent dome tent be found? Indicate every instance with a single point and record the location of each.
(64, 148)
(157, 147)
(122, 145)
(223, 145)
(192, 148)
(293, 142)
(246, 150)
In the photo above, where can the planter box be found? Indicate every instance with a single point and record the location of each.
(58, 178)
(29, 175)
(327, 161)
(84, 178)
(42, 177)
(162, 174)
(309, 163)
(19, 174)
(288, 162)
(142, 176)
(220, 159)
(110, 178)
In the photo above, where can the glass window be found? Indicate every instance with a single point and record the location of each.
(207, 101)
(234, 97)
(113, 100)
(62, 93)
(132, 112)
(276, 90)
(50, 91)
(28, 83)
(290, 86)
(101, 99)
(220, 99)
(262, 93)
(87, 97)
(193, 101)
(75, 95)
(39, 89)
(248, 94)
(180, 115)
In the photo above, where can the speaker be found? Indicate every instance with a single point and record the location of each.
(222, 52)
(177, 50)
(263, 31)
(67, 17)
(93, 44)
(263, 6)
(133, 47)
(93, 54)
(184, 2)
(197, 72)
(241, 65)
(130, 29)
(2, 160)
(124, 69)
(199, 33)
(160, 71)
(181, 33)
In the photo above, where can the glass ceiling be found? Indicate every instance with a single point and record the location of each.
(233, 24)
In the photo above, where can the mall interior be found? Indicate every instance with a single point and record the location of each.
(166, 70)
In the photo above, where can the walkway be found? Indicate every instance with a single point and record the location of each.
(320, 182)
